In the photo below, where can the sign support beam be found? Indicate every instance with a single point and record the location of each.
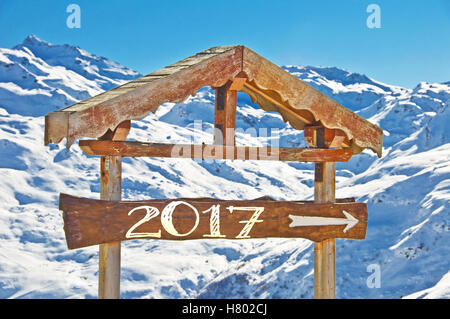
(225, 115)
(111, 189)
(324, 251)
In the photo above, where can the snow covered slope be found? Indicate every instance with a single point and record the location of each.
(407, 190)
(37, 77)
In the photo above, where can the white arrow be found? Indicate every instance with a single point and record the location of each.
(298, 221)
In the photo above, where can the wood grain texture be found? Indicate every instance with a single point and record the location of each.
(332, 138)
(225, 115)
(111, 190)
(325, 269)
(297, 95)
(139, 149)
(91, 222)
(120, 133)
(273, 88)
(110, 251)
(134, 100)
(324, 251)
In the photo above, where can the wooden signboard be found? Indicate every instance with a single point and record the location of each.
(92, 222)
(332, 132)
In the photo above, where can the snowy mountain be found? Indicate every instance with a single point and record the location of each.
(407, 190)
(47, 77)
(353, 90)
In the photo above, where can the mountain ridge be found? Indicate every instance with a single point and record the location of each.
(54, 76)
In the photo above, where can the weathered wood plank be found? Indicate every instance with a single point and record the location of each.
(225, 115)
(325, 269)
(93, 117)
(332, 138)
(303, 115)
(56, 127)
(280, 91)
(324, 251)
(139, 149)
(297, 95)
(91, 222)
(111, 189)
(238, 82)
(110, 251)
(120, 133)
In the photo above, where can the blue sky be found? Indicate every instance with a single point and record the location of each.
(412, 45)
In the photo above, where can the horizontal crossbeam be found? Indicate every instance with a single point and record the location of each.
(214, 152)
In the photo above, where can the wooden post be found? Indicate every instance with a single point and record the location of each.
(324, 251)
(111, 189)
(225, 115)
(109, 254)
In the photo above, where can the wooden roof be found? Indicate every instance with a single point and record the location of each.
(271, 87)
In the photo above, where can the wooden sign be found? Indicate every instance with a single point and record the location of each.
(91, 222)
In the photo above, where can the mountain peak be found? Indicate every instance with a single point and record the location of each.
(34, 40)
(45, 50)
(54, 76)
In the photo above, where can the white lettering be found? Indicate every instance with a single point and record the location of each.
(166, 218)
(214, 222)
(248, 223)
(151, 212)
